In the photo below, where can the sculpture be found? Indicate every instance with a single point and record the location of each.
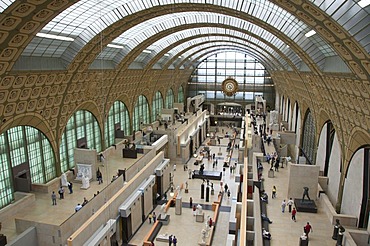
(305, 193)
(204, 234)
(199, 209)
(63, 179)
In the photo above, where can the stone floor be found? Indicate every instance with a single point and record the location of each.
(284, 231)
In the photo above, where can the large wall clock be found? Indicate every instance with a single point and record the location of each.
(229, 86)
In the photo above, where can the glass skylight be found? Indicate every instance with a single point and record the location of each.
(4, 4)
(87, 18)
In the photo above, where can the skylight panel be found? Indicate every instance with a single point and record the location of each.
(364, 3)
(51, 36)
(310, 33)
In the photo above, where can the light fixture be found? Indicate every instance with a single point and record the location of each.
(52, 36)
(147, 51)
(115, 46)
(364, 3)
(166, 54)
(172, 194)
(310, 33)
(180, 56)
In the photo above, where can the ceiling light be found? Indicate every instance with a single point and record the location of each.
(147, 51)
(364, 3)
(310, 33)
(46, 35)
(115, 46)
(166, 54)
(180, 56)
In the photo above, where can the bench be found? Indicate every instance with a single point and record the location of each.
(152, 233)
(165, 220)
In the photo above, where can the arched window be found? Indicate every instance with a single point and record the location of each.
(157, 105)
(169, 99)
(118, 114)
(180, 95)
(308, 142)
(24, 145)
(82, 131)
(141, 113)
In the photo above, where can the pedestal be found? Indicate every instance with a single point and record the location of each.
(178, 208)
(303, 241)
(199, 217)
(335, 233)
(308, 206)
(85, 183)
(186, 190)
(339, 239)
(271, 173)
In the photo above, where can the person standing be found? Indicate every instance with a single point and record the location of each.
(61, 193)
(150, 218)
(226, 187)
(54, 198)
(308, 228)
(273, 192)
(154, 217)
(294, 212)
(191, 202)
(290, 204)
(228, 194)
(283, 205)
(170, 240)
(174, 241)
(70, 185)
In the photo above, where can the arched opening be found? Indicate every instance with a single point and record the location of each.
(26, 157)
(180, 95)
(356, 194)
(308, 139)
(141, 113)
(118, 123)
(157, 105)
(82, 131)
(169, 99)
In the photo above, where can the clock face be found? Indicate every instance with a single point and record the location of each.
(229, 86)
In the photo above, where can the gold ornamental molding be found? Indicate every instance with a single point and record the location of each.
(229, 86)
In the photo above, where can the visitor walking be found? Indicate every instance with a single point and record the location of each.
(61, 193)
(150, 218)
(290, 204)
(294, 212)
(273, 192)
(283, 205)
(154, 217)
(308, 228)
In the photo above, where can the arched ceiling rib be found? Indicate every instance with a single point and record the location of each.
(160, 57)
(186, 50)
(178, 50)
(268, 61)
(208, 51)
(281, 20)
(136, 35)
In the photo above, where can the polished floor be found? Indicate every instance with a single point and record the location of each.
(284, 231)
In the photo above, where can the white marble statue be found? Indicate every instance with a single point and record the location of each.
(63, 180)
(204, 235)
(85, 183)
(199, 209)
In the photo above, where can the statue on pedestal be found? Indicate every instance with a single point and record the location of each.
(204, 235)
(305, 193)
(85, 183)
